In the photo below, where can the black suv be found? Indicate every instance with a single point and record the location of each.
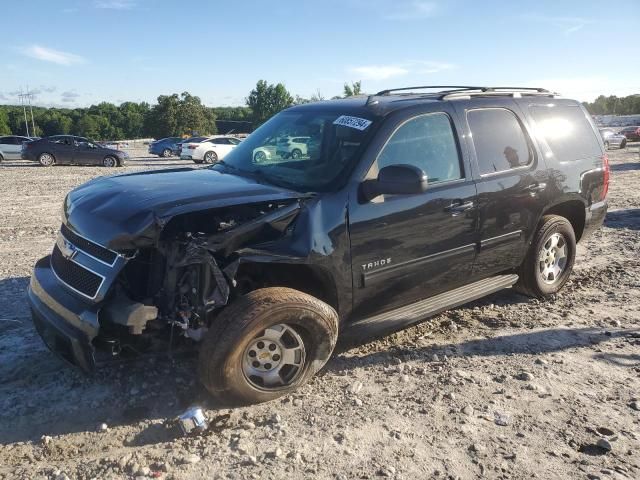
(411, 203)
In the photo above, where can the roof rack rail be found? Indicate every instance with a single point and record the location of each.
(458, 91)
(455, 87)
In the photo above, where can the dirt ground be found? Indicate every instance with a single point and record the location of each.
(507, 387)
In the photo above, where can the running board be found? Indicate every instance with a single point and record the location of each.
(423, 309)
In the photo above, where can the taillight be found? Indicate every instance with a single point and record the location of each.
(191, 146)
(605, 165)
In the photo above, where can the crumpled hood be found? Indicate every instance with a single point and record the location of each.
(129, 211)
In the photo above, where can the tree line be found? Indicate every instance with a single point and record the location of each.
(613, 105)
(172, 115)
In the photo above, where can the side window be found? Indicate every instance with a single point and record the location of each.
(8, 141)
(427, 142)
(499, 140)
(233, 141)
(567, 131)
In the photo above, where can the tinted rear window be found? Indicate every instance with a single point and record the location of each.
(566, 130)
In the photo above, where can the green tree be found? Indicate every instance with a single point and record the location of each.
(4, 123)
(266, 100)
(354, 89)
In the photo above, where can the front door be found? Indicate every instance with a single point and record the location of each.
(87, 153)
(409, 247)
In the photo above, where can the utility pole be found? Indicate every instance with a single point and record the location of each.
(33, 123)
(24, 109)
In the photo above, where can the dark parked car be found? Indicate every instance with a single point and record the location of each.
(71, 150)
(412, 204)
(165, 147)
(11, 147)
(632, 133)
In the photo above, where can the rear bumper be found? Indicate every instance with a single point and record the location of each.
(594, 217)
(66, 324)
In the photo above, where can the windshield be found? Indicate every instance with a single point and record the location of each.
(276, 153)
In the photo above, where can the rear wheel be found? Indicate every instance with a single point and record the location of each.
(166, 152)
(110, 161)
(46, 159)
(550, 259)
(266, 344)
(210, 157)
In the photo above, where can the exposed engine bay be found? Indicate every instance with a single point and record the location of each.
(166, 296)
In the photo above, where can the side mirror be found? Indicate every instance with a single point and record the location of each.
(396, 180)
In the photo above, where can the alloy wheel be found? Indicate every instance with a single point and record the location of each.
(553, 258)
(275, 358)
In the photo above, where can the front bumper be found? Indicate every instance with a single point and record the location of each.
(66, 324)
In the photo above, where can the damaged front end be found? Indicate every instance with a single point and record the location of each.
(157, 298)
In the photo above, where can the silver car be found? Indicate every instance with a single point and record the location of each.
(612, 139)
(11, 147)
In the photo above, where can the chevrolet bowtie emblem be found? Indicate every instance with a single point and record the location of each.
(67, 249)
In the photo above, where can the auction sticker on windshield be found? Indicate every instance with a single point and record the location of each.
(352, 122)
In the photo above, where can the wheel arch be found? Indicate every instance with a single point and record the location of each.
(574, 211)
(306, 278)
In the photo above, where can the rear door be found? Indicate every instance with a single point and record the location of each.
(222, 146)
(511, 179)
(409, 247)
(62, 147)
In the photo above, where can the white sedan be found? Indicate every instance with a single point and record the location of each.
(210, 150)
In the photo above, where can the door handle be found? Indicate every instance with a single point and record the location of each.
(458, 207)
(535, 188)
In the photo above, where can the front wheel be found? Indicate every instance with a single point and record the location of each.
(606, 145)
(46, 159)
(623, 144)
(109, 161)
(296, 153)
(266, 344)
(210, 157)
(260, 157)
(550, 259)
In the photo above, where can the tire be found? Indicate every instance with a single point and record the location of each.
(259, 157)
(1, 157)
(606, 145)
(110, 161)
(623, 144)
(46, 159)
(210, 157)
(542, 275)
(296, 153)
(166, 153)
(236, 355)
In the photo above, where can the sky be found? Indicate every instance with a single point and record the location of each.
(74, 53)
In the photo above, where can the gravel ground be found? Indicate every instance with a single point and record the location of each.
(507, 387)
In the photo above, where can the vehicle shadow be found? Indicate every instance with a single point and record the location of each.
(528, 343)
(625, 167)
(625, 218)
(18, 164)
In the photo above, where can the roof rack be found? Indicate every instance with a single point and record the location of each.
(456, 91)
